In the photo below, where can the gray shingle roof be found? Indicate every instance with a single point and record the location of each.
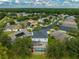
(40, 34)
(26, 33)
(70, 22)
(59, 34)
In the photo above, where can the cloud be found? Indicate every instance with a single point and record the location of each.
(75, 0)
(4, 0)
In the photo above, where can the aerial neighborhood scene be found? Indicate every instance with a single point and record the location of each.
(39, 29)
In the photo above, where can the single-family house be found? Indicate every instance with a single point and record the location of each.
(59, 35)
(40, 41)
(32, 23)
(23, 14)
(14, 27)
(69, 23)
(63, 16)
(20, 34)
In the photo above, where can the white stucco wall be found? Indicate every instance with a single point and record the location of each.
(40, 39)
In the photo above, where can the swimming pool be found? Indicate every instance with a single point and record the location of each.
(40, 49)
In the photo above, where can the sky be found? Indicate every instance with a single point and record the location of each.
(61, 1)
(3, 0)
(53, 0)
(53, 3)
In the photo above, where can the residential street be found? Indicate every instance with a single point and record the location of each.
(43, 32)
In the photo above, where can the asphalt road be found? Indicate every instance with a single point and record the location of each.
(42, 33)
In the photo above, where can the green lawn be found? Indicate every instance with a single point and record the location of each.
(44, 57)
(41, 56)
(38, 57)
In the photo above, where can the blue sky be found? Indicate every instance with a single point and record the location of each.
(61, 1)
(52, 0)
(53, 3)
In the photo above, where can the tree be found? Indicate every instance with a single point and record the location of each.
(69, 47)
(22, 46)
(3, 52)
(22, 18)
(73, 43)
(4, 21)
(55, 49)
(2, 15)
(5, 40)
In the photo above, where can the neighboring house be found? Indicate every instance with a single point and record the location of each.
(40, 41)
(49, 18)
(63, 16)
(59, 34)
(23, 14)
(19, 14)
(41, 20)
(32, 23)
(20, 34)
(69, 23)
(10, 27)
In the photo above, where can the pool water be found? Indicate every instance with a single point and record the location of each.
(39, 49)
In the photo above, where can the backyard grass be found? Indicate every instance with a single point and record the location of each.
(44, 57)
(38, 57)
(34, 56)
